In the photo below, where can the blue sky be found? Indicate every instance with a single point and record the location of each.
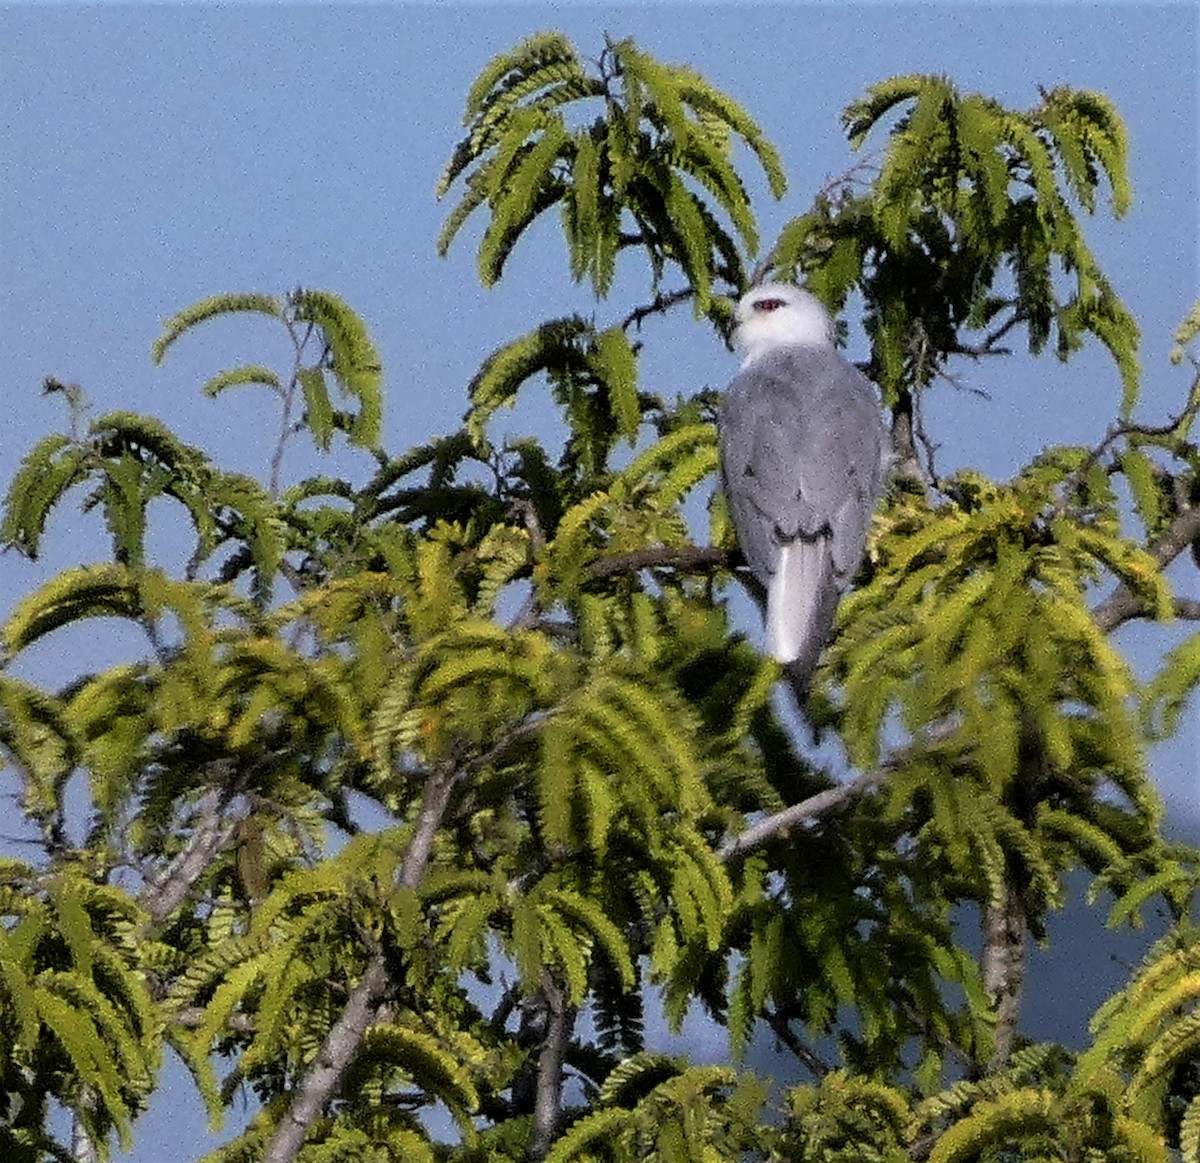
(152, 156)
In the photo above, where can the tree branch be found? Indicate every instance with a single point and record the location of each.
(83, 1146)
(816, 805)
(547, 1104)
(288, 397)
(801, 1049)
(326, 1071)
(1122, 605)
(833, 797)
(663, 302)
(1187, 608)
(907, 429)
(660, 556)
(1003, 966)
(164, 893)
(987, 345)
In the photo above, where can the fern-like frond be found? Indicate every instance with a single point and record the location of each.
(47, 471)
(211, 308)
(353, 358)
(1187, 330)
(1018, 1113)
(237, 376)
(557, 344)
(861, 116)
(87, 592)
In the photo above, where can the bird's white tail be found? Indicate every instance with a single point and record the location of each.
(801, 600)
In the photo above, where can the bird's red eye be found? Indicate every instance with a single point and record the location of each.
(769, 304)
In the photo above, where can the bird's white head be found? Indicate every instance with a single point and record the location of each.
(780, 315)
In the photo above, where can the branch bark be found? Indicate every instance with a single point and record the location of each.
(1123, 605)
(833, 797)
(164, 893)
(816, 805)
(660, 556)
(1003, 965)
(547, 1104)
(324, 1075)
(83, 1146)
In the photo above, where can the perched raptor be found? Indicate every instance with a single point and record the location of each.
(803, 453)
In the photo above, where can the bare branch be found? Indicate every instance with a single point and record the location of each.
(833, 797)
(691, 557)
(524, 508)
(817, 805)
(213, 833)
(987, 345)
(1187, 608)
(1116, 431)
(804, 1053)
(906, 430)
(918, 417)
(663, 302)
(837, 188)
(83, 1146)
(547, 1105)
(288, 396)
(325, 1073)
(1003, 966)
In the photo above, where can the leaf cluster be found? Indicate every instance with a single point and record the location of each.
(967, 226)
(651, 169)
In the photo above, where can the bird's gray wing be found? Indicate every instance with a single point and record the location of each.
(802, 462)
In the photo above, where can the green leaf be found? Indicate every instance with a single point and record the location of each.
(48, 470)
(318, 409)
(614, 364)
(235, 377)
(211, 308)
(353, 358)
(86, 592)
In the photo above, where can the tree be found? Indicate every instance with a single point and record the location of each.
(421, 779)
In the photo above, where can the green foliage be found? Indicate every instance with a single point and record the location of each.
(425, 781)
(967, 226)
(1187, 330)
(214, 307)
(345, 349)
(78, 1024)
(657, 1107)
(593, 376)
(628, 177)
(351, 357)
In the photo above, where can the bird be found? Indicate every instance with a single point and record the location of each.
(804, 455)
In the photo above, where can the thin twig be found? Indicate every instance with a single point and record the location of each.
(807, 1056)
(289, 399)
(918, 420)
(1116, 431)
(987, 345)
(663, 302)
